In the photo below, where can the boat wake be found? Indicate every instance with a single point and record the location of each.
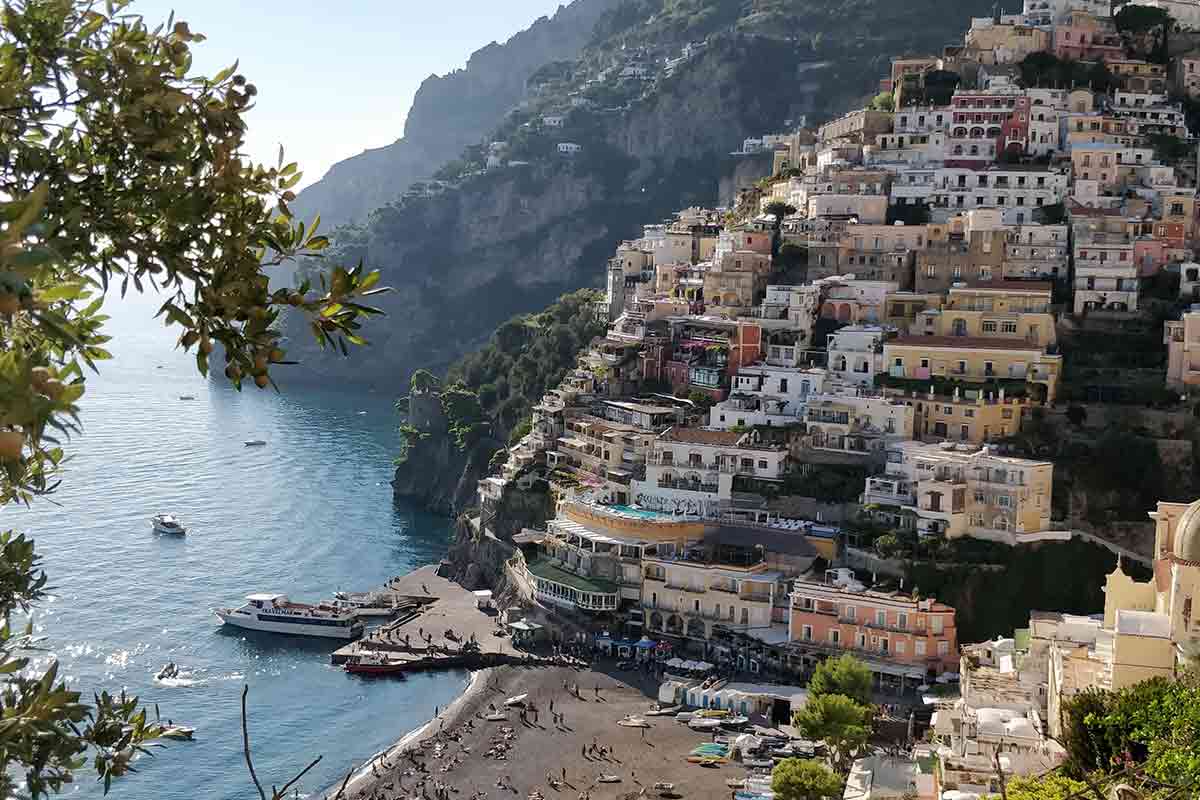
(178, 682)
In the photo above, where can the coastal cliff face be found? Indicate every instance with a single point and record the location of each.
(448, 113)
(435, 474)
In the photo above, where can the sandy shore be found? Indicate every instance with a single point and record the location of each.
(462, 756)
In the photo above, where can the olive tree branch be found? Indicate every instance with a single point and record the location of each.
(246, 744)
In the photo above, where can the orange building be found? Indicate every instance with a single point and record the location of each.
(895, 633)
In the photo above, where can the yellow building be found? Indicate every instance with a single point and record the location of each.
(686, 599)
(996, 310)
(960, 490)
(974, 418)
(1012, 363)
(1149, 629)
(1182, 338)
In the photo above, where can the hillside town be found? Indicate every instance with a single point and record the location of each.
(853, 349)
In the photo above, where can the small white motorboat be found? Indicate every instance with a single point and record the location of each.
(735, 722)
(608, 779)
(255, 442)
(704, 724)
(187, 397)
(519, 700)
(170, 670)
(633, 722)
(165, 523)
(182, 732)
(663, 712)
(496, 717)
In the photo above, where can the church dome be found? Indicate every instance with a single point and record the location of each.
(1187, 534)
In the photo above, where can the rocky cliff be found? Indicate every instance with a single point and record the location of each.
(448, 113)
(434, 473)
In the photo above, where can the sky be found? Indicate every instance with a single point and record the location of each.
(336, 78)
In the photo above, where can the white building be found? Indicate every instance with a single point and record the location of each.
(856, 354)
(1036, 251)
(1106, 274)
(767, 395)
(692, 470)
(553, 120)
(569, 148)
(1015, 190)
(845, 421)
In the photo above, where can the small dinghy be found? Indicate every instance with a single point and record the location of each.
(703, 724)
(255, 442)
(519, 700)
(169, 670)
(609, 779)
(633, 722)
(496, 718)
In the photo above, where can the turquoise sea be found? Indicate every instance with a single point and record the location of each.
(308, 514)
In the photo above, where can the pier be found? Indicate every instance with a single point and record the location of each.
(431, 607)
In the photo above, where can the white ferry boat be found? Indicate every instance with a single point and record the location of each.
(276, 614)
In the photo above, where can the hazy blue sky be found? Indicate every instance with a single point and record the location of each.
(335, 78)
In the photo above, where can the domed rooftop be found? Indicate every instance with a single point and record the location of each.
(1187, 534)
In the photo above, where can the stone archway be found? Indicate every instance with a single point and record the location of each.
(656, 621)
(844, 312)
(696, 629)
(674, 624)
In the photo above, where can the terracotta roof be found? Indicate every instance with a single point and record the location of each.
(963, 342)
(701, 436)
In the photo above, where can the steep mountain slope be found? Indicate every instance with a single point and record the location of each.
(448, 113)
(510, 240)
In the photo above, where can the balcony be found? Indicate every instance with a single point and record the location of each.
(656, 578)
(689, 486)
(755, 598)
(685, 588)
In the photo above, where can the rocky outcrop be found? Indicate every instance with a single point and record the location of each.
(435, 474)
(448, 113)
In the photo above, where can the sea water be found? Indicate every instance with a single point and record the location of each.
(307, 514)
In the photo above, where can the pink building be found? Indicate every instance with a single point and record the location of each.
(1151, 256)
(1084, 37)
(894, 633)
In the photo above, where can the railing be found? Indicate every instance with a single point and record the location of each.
(658, 578)
(710, 488)
(755, 598)
(686, 588)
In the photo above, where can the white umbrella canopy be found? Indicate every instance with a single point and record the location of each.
(675, 662)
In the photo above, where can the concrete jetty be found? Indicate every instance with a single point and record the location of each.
(436, 622)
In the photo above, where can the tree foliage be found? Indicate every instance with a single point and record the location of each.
(1153, 726)
(526, 357)
(799, 779)
(1046, 787)
(844, 675)
(121, 169)
(843, 724)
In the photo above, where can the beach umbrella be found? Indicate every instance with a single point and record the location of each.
(645, 644)
(675, 662)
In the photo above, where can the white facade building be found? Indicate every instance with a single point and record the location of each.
(1015, 191)
(856, 354)
(691, 471)
(767, 395)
